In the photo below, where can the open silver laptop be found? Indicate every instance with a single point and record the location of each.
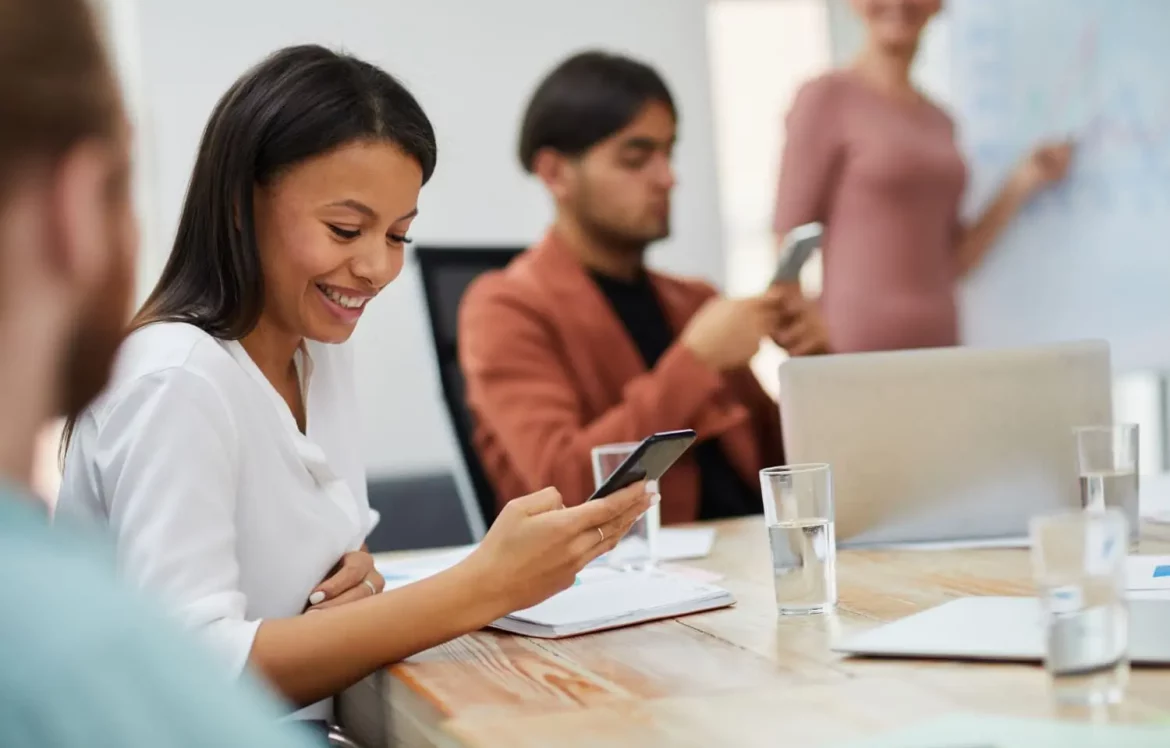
(954, 444)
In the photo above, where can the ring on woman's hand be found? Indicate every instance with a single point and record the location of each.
(601, 533)
(368, 583)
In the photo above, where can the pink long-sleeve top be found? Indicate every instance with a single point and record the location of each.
(885, 177)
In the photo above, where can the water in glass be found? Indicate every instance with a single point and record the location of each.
(1087, 640)
(804, 565)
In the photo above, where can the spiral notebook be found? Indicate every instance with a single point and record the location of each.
(614, 600)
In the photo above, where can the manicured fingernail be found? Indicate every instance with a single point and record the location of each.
(655, 498)
(317, 597)
(651, 486)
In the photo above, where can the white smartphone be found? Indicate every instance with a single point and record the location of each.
(799, 245)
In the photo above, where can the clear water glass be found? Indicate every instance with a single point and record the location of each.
(798, 511)
(1107, 461)
(1078, 561)
(638, 549)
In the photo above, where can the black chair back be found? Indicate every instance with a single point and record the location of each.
(446, 273)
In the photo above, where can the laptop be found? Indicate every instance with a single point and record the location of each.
(1006, 629)
(959, 445)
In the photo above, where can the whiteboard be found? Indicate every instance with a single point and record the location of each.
(1089, 259)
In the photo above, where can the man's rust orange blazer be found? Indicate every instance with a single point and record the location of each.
(551, 373)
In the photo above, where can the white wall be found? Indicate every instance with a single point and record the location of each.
(932, 66)
(762, 51)
(472, 64)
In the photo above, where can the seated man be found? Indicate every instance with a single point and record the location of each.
(576, 344)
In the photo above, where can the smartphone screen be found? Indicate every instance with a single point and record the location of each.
(650, 460)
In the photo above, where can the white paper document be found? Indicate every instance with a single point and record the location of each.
(682, 544)
(401, 572)
(1147, 573)
(674, 544)
(602, 598)
(616, 600)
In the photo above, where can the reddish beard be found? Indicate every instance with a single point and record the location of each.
(95, 342)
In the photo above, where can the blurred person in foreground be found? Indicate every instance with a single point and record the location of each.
(875, 161)
(577, 344)
(83, 662)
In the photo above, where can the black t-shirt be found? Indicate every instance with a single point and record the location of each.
(723, 493)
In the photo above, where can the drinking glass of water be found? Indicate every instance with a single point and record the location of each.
(798, 509)
(638, 549)
(1078, 560)
(1107, 457)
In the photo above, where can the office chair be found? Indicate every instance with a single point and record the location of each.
(446, 273)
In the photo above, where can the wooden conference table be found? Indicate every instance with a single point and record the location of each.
(736, 677)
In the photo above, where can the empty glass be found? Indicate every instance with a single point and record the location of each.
(637, 551)
(1107, 460)
(798, 510)
(1078, 560)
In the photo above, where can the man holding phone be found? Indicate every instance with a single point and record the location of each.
(577, 344)
(807, 334)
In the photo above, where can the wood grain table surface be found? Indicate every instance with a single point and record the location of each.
(741, 676)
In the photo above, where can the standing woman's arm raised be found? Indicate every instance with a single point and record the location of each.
(1040, 168)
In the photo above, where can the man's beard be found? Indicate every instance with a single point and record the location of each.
(609, 234)
(94, 346)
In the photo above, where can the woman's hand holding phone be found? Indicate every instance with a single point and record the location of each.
(536, 546)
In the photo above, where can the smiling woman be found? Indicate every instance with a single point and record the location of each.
(361, 147)
(224, 455)
(325, 258)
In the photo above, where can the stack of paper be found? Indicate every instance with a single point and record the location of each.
(1147, 577)
(401, 572)
(685, 543)
(620, 599)
(602, 598)
(674, 544)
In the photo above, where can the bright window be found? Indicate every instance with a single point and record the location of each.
(761, 52)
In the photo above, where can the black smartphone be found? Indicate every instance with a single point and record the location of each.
(650, 461)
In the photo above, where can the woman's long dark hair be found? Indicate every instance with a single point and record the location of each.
(297, 103)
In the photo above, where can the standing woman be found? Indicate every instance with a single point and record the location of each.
(225, 455)
(876, 162)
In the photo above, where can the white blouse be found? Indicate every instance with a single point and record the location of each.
(217, 501)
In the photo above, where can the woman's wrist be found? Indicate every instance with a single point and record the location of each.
(1020, 186)
(483, 591)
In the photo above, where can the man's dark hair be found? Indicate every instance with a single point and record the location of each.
(585, 100)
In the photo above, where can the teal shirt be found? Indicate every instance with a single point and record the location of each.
(85, 662)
